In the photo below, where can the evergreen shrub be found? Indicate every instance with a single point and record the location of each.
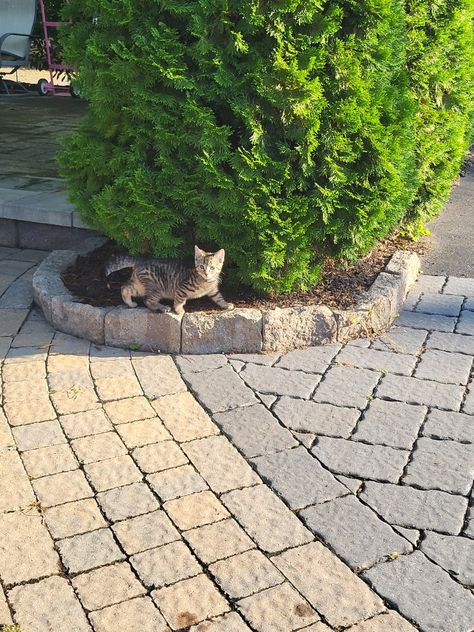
(282, 131)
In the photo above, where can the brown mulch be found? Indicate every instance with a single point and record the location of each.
(340, 287)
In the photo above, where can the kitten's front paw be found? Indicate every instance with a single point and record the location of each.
(179, 310)
(165, 309)
(132, 304)
(229, 307)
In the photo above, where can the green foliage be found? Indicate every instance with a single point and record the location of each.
(282, 131)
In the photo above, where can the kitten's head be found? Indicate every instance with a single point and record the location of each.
(208, 264)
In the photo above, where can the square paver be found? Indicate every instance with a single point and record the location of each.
(177, 482)
(385, 361)
(98, 447)
(145, 532)
(107, 585)
(38, 435)
(344, 386)
(446, 305)
(442, 366)
(310, 360)
(130, 616)
(309, 416)
(62, 488)
(73, 518)
(119, 367)
(89, 422)
(165, 565)
(267, 379)
(49, 460)
(184, 417)
(245, 574)
(74, 400)
(115, 472)
(123, 411)
(143, 432)
(126, 502)
(29, 412)
(442, 424)
(158, 375)
(159, 456)
(216, 541)
(415, 391)
(110, 388)
(15, 488)
(89, 550)
(36, 388)
(195, 510)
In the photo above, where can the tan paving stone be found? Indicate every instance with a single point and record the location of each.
(184, 417)
(115, 472)
(26, 548)
(6, 438)
(189, 601)
(107, 585)
(15, 488)
(86, 423)
(158, 375)
(70, 380)
(245, 574)
(73, 518)
(49, 460)
(220, 464)
(48, 606)
(278, 609)
(136, 615)
(139, 433)
(231, 622)
(159, 456)
(24, 371)
(5, 614)
(62, 488)
(89, 550)
(38, 435)
(195, 510)
(111, 388)
(126, 502)
(29, 412)
(98, 447)
(74, 400)
(145, 532)
(328, 584)
(165, 565)
(387, 621)
(216, 541)
(119, 367)
(179, 481)
(26, 390)
(130, 409)
(60, 363)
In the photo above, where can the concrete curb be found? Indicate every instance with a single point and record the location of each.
(246, 330)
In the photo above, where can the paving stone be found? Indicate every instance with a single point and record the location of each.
(429, 283)
(445, 465)
(158, 375)
(5, 614)
(353, 484)
(254, 430)
(26, 548)
(145, 532)
(454, 554)
(311, 360)
(416, 508)
(344, 386)
(189, 601)
(126, 502)
(5, 342)
(115, 472)
(25, 354)
(424, 593)
(328, 584)
(412, 535)
(230, 622)
(468, 406)
(469, 304)
(245, 574)
(305, 438)
(308, 416)
(198, 363)
(220, 464)
(165, 565)
(459, 285)
(216, 541)
(266, 359)
(266, 519)
(6, 438)
(48, 606)
(382, 623)
(354, 532)
(23, 371)
(220, 389)
(129, 409)
(11, 321)
(159, 456)
(64, 344)
(183, 417)
(267, 399)
(49, 460)
(446, 305)
(74, 400)
(298, 477)
(139, 433)
(89, 422)
(15, 488)
(104, 353)
(130, 616)
(236, 365)
(466, 323)
(390, 423)
(61, 488)
(33, 339)
(69, 380)
(176, 482)
(431, 322)
(107, 585)
(29, 412)
(70, 519)
(66, 362)
(98, 447)
(19, 295)
(120, 368)
(111, 388)
(267, 379)
(89, 550)
(195, 510)
(277, 609)
(374, 462)
(442, 366)
(25, 390)
(384, 361)
(426, 392)
(38, 435)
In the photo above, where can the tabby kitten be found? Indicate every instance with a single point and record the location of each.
(157, 279)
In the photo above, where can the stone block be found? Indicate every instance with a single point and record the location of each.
(11, 320)
(73, 518)
(49, 460)
(158, 375)
(387, 621)
(456, 343)
(15, 489)
(268, 379)
(78, 319)
(363, 321)
(431, 322)
(89, 550)
(219, 540)
(310, 360)
(195, 510)
(308, 416)
(144, 432)
(61, 488)
(165, 565)
(424, 392)
(443, 304)
(107, 585)
(347, 386)
(442, 366)
(113, 472)
(153, 331)
(245, 574)
(453, 553)
(220, 389)
(184, 417)
(85, 423)
(128, 501)
(238, 330)
(459, 285)
(442, 424)
(466, 323)
(384, 361)
(159, 456)
(98, 447)
(130, 409)
(38, 435)
(135, 614)
(177, 482)
(145, 532)
(8, 233)
(230, 622)
(293, 327)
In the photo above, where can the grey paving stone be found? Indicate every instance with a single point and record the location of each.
(309, 416)
(328, 584)
(89, 550)
(107, 585)
(217, 541)
(165, 565)
(459, 285)
(19, 295)
(298, 477)
(266, 359)
(129, 616)
(455, 343)
(198, 363)
(454, 553)
(384, 361)
(424, 392)
(386, 622)
(126, 502)
(468, 406)
(267, 399)
(267, 379)
(442, 366)
(145, 532)
(345, 386)
(445, 465)
(305, 438)
(429, 283)
(254, 430)
(431, 322)
(311, 360)
(246, 573)
(158, 375)
(466, 323)
(469, 304)
(40, 435)
(374, 462)
(443, 304)
(177, 482)
(389, 423)
(412, 535)
(266, 519)
(220, 389)
(11, 321)
(352, 484)
(416, 508)
(424, 593)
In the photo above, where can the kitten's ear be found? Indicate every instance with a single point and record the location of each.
(198, 252)
(220, 255)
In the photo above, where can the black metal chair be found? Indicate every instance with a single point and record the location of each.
(17, 18)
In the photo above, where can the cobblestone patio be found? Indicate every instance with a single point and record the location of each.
(324, 489)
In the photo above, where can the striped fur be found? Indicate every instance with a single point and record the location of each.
(157, 279)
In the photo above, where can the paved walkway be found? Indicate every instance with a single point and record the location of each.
(325, 489)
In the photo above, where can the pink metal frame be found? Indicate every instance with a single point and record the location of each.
(55, 90)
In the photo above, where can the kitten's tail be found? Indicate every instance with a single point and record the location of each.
(119, 262)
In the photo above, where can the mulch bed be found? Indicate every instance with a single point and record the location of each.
(340, 287)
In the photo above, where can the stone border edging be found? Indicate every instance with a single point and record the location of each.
(245, 330)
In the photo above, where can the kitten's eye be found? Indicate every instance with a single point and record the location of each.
(212, 268)
(201, 267)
